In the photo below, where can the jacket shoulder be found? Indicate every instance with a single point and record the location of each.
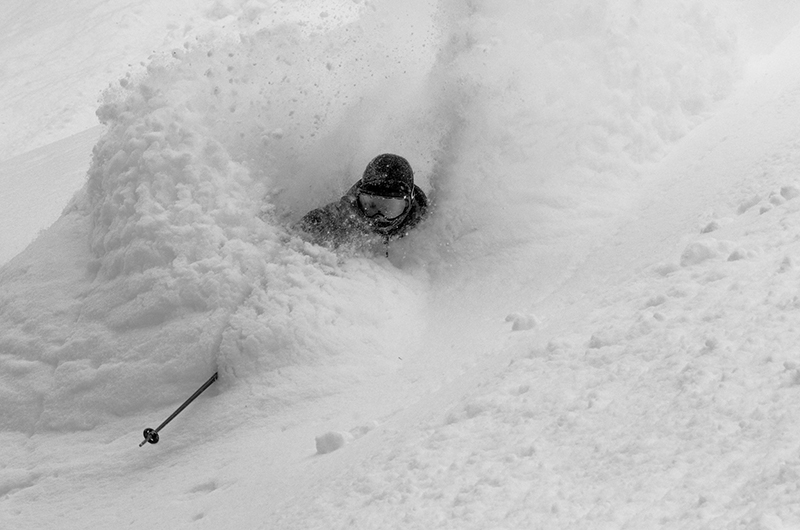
(333, 223)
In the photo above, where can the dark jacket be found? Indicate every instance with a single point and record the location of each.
(342, 222)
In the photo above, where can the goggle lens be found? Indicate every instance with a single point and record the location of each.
(388, 207)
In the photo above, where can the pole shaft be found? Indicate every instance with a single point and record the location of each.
(186, 403)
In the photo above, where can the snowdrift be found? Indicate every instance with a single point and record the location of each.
(527, 124)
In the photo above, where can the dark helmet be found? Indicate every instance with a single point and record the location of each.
(389, 176)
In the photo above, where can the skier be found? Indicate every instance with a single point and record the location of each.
(385, 204)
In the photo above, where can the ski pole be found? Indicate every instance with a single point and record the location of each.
(151, 435)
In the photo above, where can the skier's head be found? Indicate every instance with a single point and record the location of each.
(388, 175)
(386, 190)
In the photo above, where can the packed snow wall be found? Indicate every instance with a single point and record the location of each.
(526, 122)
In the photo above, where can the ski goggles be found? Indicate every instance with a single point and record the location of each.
(388, 207)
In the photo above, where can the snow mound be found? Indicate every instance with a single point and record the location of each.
(332, 441)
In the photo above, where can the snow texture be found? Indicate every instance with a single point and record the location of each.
(595, 327)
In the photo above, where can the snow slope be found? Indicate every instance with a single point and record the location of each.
(585, 333)
(36, 186)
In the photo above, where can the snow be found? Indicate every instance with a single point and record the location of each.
(595, 328)
(331, 441)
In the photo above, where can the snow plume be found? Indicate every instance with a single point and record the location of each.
(190, 266)
(559, 105)
(526, 122)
